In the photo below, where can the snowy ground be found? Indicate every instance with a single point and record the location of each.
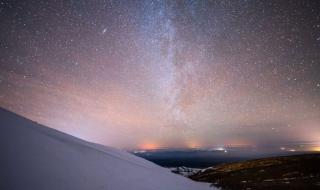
(185, 171)
(39, 158)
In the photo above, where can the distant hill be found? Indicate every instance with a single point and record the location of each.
(300, 172)
(35, 157)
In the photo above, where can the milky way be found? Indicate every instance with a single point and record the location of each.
(165, 74)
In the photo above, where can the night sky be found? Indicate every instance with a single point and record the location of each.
(166, 74)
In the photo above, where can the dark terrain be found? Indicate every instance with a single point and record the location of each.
(189, 158)
(287, 172)
(194, 158)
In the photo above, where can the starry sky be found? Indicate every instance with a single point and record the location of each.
(165, 74)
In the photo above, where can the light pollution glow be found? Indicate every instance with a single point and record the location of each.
(165, 74)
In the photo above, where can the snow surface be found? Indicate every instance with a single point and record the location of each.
(185, 171)
(36, 157)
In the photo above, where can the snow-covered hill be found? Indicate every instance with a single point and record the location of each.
(36, 157)
(185, 171)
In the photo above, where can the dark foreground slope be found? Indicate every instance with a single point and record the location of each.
(291, 172)
(34, 157)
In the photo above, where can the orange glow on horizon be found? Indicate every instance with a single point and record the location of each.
(193, 144)
(316, 149)
(149, 146)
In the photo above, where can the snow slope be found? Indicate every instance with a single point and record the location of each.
(36, 157)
